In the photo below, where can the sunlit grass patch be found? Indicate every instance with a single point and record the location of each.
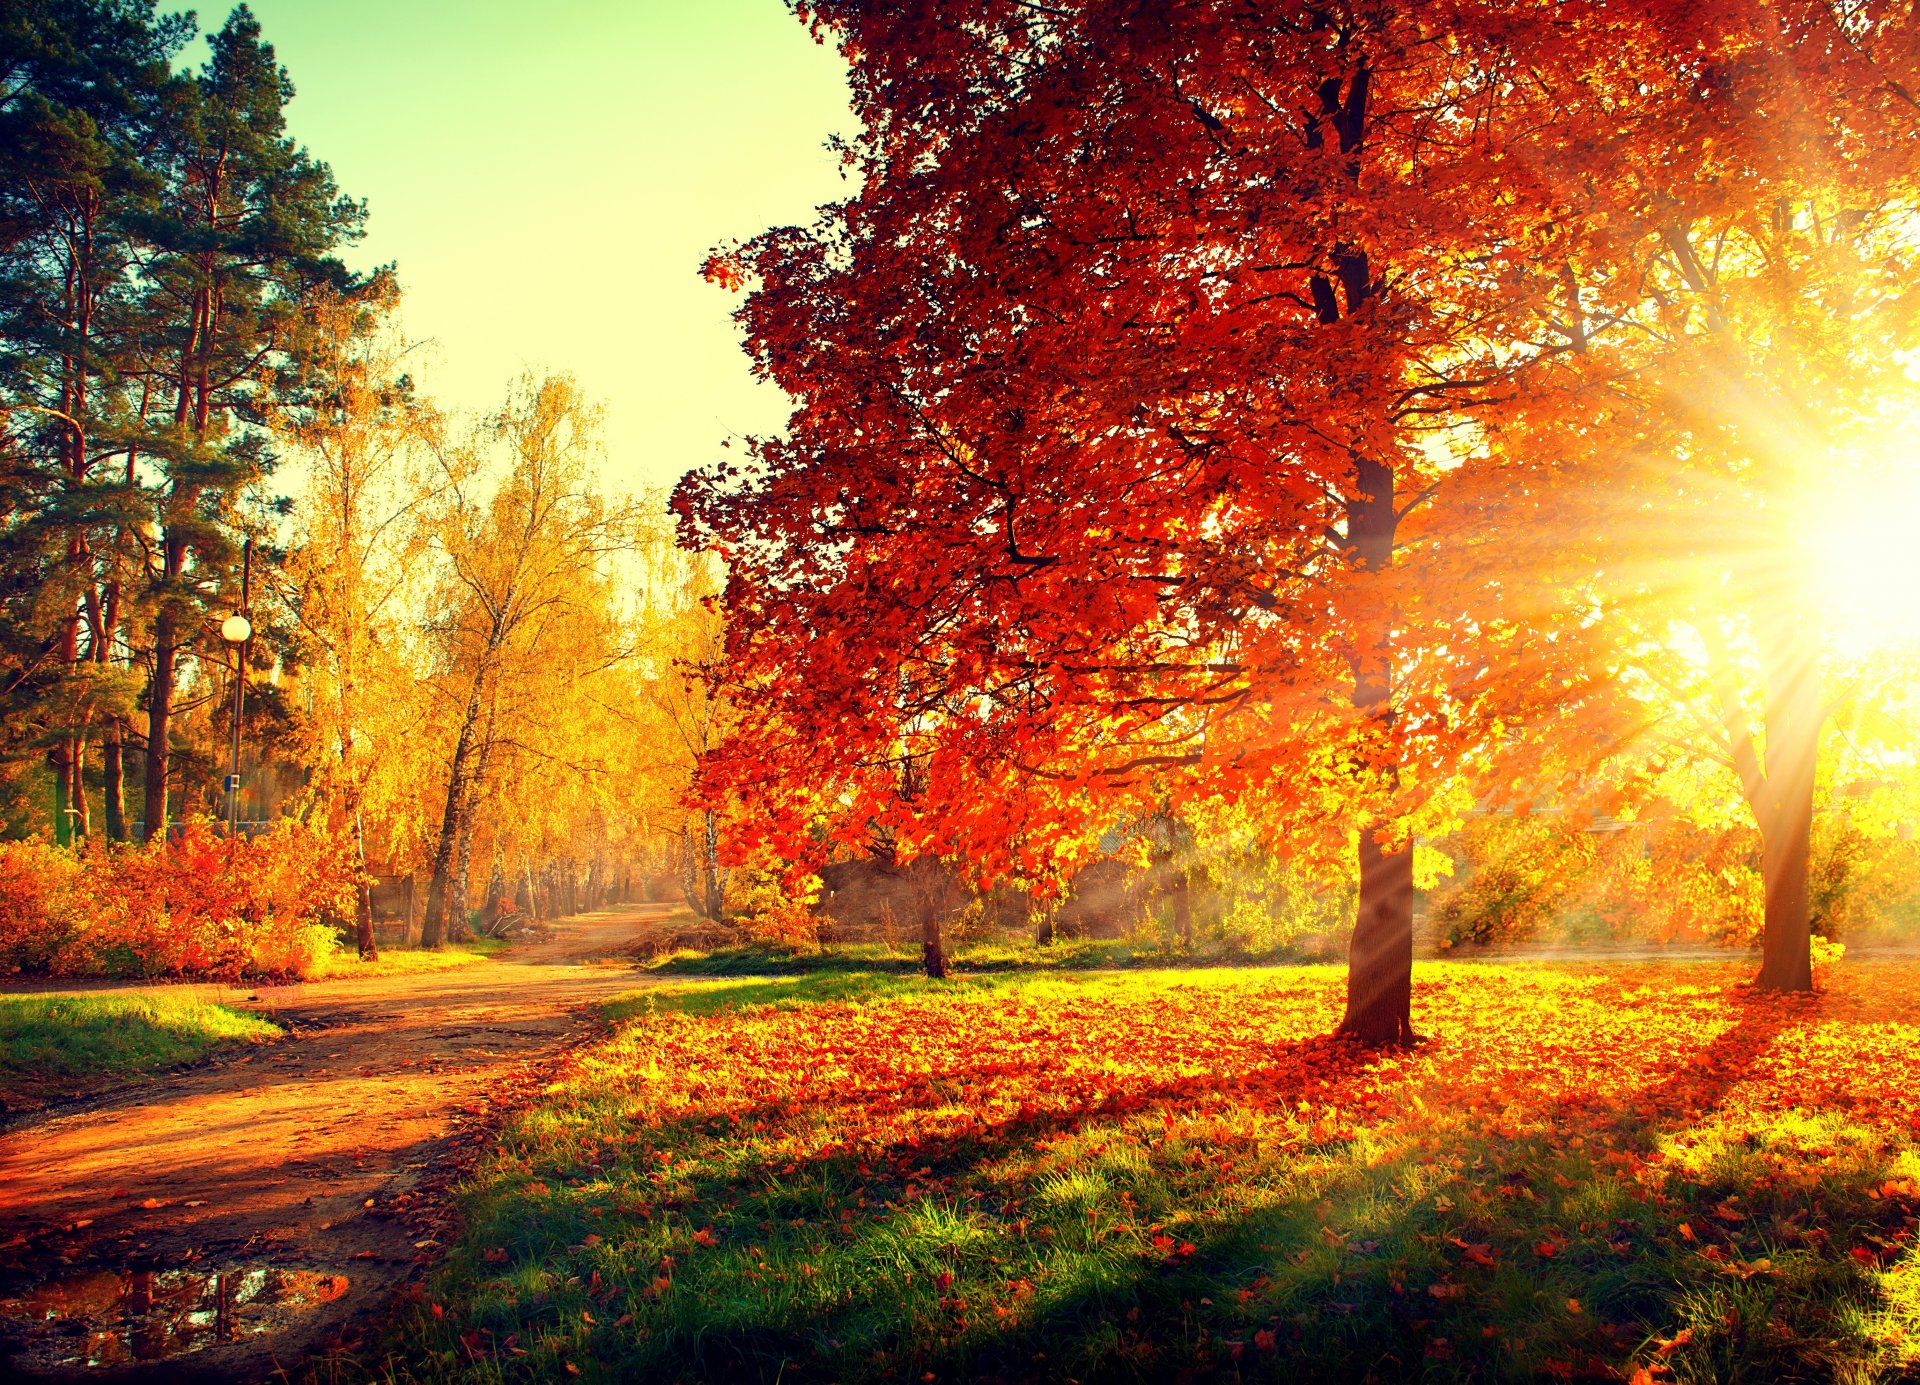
(53, 1044)
(1587, 1172)
(415, 961)
(986, 955)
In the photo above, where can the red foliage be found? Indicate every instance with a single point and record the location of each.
(200, 905)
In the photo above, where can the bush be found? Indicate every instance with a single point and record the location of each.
(40, 903)
(200, 905)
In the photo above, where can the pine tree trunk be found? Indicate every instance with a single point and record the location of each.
(60, 770)
(159, 722)
(113, 780)
(77, 792)
(1785, 814)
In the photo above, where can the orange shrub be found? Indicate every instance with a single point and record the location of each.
(40, 903)
(201, 905)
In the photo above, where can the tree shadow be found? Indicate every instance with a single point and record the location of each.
(1354, 1261)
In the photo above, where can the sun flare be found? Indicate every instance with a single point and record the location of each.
(1862, 543)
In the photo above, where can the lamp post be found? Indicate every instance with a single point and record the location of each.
(236, 630)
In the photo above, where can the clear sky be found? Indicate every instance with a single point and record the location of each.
(549, 176)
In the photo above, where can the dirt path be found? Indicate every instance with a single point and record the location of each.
(223, 1222)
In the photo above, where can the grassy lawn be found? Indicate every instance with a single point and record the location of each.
(972, 956)
(1588, 1172)
(396, 961)
(51, 1045)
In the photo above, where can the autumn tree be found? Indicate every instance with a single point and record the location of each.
(361, 441)
(684, 648)
(1152, 393)
(522, 600)
(1748, 273)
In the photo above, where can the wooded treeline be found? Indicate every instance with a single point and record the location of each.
(464, 651)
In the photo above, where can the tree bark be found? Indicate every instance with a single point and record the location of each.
(1785, 815)
(433, 926)
(714, 879)
(1380, 959)
(1043, 927)
(364, 940)
(113, 780)
(462, 881)
(59, 769)
(1183, 909)
(933, 954)
(159, 719)
(77, 790)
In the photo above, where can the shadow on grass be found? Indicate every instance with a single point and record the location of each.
(985, 958)
(1112, 1240)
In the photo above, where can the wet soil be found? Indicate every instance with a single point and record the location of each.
(228, 1222)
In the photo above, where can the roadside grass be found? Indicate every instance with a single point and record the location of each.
(395, 961)
(978, 956)
(54, 1045)
(1586, 1172)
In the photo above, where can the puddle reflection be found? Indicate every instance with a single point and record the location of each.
(114, 1317)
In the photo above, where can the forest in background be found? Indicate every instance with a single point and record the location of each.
(465, 657)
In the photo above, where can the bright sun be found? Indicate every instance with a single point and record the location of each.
(1862, 541)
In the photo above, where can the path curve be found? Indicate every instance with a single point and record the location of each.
(278, 1197)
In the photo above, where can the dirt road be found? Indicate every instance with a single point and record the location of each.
(229, 1220)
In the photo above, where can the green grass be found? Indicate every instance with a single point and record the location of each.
(397, 961)
(51, 1045)
(842, 1175)
(976, 957)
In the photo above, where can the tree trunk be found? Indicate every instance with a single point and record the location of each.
(77, 793)
(159, 719)
(714, 879)
(462, 882)
(1043, 927)
(113, 780)
(433, 926)
(1380, 960)
(933, 955)
(352, 802)
(60, 769)
(1183, 909)
(363, 937)
(1785, 814)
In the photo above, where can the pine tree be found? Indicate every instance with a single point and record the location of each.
(88, 82)
(249, 232)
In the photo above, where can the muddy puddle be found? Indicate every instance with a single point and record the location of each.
(118, 1317)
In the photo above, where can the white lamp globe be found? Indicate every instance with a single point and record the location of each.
(236, 629)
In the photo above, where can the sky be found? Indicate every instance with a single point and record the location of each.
(548, 178)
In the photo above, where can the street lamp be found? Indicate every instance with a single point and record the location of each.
(236, 630)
